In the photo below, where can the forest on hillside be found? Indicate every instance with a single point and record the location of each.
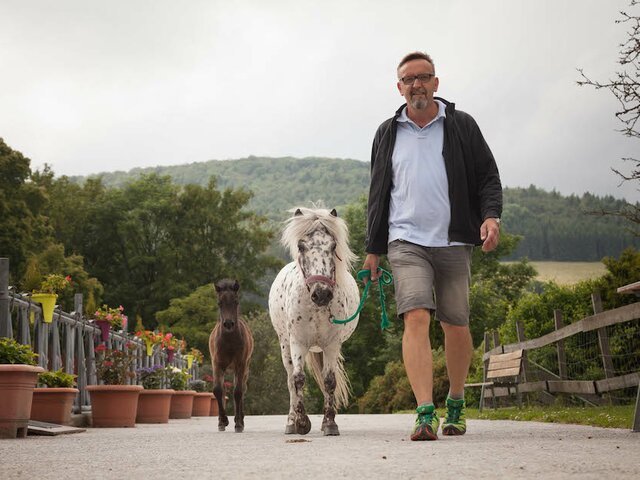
(552, 226)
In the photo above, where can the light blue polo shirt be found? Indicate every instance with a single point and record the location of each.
(419, 211)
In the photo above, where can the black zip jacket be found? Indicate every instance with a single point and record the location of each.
(475, 191)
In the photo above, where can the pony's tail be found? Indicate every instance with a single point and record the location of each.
(343, 390)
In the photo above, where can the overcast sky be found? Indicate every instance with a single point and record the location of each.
(90, 86)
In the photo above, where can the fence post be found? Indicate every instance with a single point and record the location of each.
(496, 339)
(521, 338)
(485, 365)
(636, 415)
(603, 338)
(562, 359)
(5, 317)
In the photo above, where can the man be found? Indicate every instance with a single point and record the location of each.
(435, 192)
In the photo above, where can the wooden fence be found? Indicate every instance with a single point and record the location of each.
(546, 381)
(68, 342)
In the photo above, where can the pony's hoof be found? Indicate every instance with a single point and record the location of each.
(303, 425)
(290, 429)
(221, 428)
(330, 430)
(239, 429)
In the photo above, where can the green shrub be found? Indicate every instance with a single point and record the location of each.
(57, 379)
(12, 352)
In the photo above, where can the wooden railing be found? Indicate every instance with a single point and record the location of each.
(68, 342)
(547, 382)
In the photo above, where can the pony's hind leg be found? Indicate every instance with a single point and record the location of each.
(302, 423)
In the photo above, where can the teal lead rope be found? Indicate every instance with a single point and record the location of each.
(385, 279)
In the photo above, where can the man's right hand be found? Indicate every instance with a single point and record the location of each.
(371, 262)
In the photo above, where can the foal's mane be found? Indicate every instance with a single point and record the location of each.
(311, 219)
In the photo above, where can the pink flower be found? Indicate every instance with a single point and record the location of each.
(109, 317)
(101, 348)
(121, 308)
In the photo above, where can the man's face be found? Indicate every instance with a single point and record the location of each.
(419, 95)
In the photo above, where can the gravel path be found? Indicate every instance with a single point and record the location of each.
(371, 446)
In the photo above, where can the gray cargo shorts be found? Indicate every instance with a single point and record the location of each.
(421, 272)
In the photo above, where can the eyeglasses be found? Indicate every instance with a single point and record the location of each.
(424, 78)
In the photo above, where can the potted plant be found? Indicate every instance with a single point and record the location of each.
(150, 339)
(47, 294)
(182, 400)
(201, 399)
(114, 404)
(53, 400)
(194, 355)
(107, 318)
(18, 376)
(170, 344)
(154, 402)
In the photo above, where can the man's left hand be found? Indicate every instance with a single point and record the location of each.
(489, 234)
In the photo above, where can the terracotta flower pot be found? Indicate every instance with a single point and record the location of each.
(154, 406)
(114, 405)
(182, 404)
(53, 405)
(201, 404)
(16, 386)
(214, 410)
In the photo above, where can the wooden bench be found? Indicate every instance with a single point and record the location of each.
(504, 370)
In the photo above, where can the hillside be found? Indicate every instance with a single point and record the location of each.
(554, 227)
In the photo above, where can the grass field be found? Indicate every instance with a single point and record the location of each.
(568, 273)
(619, 416)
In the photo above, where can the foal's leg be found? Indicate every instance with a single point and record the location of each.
(238, 391)
(218, 391)
(329, 362)
(302, 423)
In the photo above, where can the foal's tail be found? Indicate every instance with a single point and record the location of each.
(343, 390)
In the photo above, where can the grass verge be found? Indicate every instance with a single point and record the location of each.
(619, 416)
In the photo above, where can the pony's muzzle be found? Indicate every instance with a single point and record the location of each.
(321, 296)
(228, 324)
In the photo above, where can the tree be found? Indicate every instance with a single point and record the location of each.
(22, 228)
(626, 88)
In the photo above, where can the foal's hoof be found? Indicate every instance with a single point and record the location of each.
(239, 428)
(221, 428)
(303, 425)
(290, 429)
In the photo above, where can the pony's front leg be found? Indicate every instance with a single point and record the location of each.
(302, 424)
(329, 363)
(218, 391)
(285, 351)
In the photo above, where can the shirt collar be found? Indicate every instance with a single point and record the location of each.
(403, 117)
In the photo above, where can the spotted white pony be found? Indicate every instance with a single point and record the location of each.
(306, 294)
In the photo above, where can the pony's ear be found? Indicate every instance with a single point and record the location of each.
(217, 287)
(298, 212)
(334, 213)
(236, 286)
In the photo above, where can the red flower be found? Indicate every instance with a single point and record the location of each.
(107, 363)
(101, 348)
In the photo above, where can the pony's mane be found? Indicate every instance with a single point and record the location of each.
(299, 225)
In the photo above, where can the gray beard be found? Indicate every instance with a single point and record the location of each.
(419, 103)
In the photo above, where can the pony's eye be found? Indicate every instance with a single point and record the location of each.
(301, 246)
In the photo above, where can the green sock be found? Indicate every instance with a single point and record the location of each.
(427, 404)
(456, 396)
